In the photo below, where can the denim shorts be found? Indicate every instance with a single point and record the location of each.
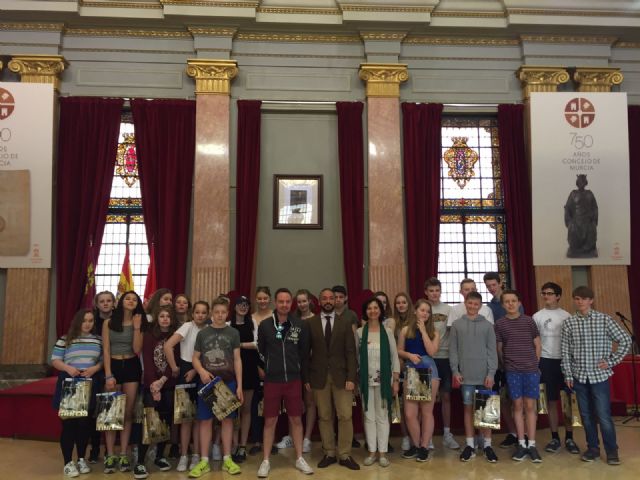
(468, 392)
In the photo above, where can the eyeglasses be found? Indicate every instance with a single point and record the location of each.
(547, 294)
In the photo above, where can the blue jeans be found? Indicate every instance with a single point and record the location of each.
(593, 400)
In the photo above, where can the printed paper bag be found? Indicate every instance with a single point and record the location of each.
(396, 412)
(138, 409)
(154, 430)
(219, 398)
(76, 396)
(184, 410)
(417, 384)
(542, 400)
(110, 411)
(486, 406)
(570, 408)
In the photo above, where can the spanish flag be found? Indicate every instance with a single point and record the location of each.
(126, 278)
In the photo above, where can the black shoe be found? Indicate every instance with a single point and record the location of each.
(274, 450)
(423, 455)
(534, 455)
(411, 453)
(571, 446)
(326, 461)
(355, 443)
(489, 455)
(140, 471)
(162, 463)
(467, 454)
(390, 449)
(612, 458)
(520, 453)
(590, 455)
(350, 463)
(509, 441)
(240, 455)
(174, 451)
(255, 449)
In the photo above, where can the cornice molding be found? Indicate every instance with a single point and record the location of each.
(384, 9)
(383, 36)
(383, 79)
(38, 68)
(627, 45)
(461, 14)
(540, 79)
(136, 5)
(299, 11)
(594, 79)
(125, 32)
(33, 27)
(298, 37)
(213, 77)
(212, 31)
(211, 3)
(467, 41)
(571, 13)
(581, 39)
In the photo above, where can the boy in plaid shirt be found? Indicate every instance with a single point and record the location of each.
(587, 361)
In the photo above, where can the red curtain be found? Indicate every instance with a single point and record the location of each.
(422, 152)
(87, 143)
(633, 270)
(517, 200)
(351, 166)
(165, 143)
(247, 189)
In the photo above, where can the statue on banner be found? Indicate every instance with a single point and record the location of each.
(581, 220)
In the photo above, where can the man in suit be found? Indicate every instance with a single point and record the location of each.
(332, 377)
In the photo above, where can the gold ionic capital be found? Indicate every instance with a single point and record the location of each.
(38, 68)
(213, 77)
(383, 79)
(540, 79)
(595, 79)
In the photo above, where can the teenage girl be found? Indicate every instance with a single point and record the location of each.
(122, 343)
(186, 374)
(182, 305)
(76, 354)
(160, 297)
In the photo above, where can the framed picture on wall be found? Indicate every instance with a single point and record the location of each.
(297, 201)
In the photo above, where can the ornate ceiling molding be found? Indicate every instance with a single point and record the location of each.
(572, 13)
(581, 39)
(463, 14)
(212, 3)
(299, 11)
(385, 9)
(33, 27)
(467, 41)
(298, 37)
(212, 31)
(138, 5)
(383, 36)
(125, 32)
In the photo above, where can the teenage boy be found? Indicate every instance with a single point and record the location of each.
(283, 343)
(549, 321)
(440, 314)
(342, 308)
(473, 358)
(216, 353)
(493, 283)
(518, 342)
(587, 361)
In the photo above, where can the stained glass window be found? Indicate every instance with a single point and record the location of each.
(125, 221)
(472, 223)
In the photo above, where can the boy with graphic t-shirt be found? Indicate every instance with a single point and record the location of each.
(217, 354)
(549, 321)
(518, 343)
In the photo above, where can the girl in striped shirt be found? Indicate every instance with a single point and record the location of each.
(78, 353)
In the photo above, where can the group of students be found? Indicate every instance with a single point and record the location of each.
(282, 359)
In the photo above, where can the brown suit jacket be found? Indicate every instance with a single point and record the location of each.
(340, 361)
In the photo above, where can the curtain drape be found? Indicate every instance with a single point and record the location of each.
(87, 143)
(351, 167)
(247, 191)
(421, 124)
(633, 270)
(517, 201)
(165, 144)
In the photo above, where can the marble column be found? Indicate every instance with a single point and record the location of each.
(26, 313)
(609, 282)
(387, 269)
(544, 79)
(210, 242)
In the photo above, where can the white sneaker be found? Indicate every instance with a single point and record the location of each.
(263, 471)
(306, 445)
(286, 442)
(83, 467)
(449, 441)
(195, 460)
(431, 446)
(216, 454)
(183, 463)
(406, 443)
(70, 470)
(303, 466)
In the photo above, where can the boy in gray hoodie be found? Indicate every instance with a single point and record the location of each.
(474, 360)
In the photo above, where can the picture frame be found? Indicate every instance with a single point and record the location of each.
(297, 202)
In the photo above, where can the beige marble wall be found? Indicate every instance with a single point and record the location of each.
(387, 270)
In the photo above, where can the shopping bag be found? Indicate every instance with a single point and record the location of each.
(184, 410)
(543, 408)
(75, 399)
(396, 412)
(110, 411)
(219, 398)
(417, 384)
(486, 409)
(570, 408)
(154, 429)
(138, 409)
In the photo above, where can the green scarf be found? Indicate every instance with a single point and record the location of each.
(385, 366)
